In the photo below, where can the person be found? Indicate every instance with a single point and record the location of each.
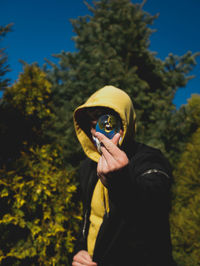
(125, 188)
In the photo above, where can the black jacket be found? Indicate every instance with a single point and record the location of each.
(136, 230)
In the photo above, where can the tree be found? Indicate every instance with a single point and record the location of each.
(181, 127)
(194, 110)
(39, 215)
(3, 59)
(113, 48)
(185, 214)
(25, 112)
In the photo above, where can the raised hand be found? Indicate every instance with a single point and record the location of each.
(112, 159)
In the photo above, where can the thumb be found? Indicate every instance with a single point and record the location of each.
(116, 138)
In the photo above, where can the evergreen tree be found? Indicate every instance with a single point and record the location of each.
(3, 59)
(113, 48)
(185, 215)
(181, 127)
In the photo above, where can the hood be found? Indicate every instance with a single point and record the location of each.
(112, 98)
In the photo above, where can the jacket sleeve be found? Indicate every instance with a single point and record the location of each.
(140, 193)
(144, 182)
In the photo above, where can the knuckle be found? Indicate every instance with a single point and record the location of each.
(122, 160)
(112, 168)
(105, 171)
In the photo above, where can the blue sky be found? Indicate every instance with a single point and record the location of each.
(42, 28)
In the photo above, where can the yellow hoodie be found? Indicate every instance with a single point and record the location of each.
(117, 100)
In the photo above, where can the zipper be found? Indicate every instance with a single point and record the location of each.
(87, 200)
(150, 171)
(84, 224)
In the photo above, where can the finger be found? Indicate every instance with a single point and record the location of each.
(101, 172)
(116, 139)
(99, 166)
(75, 263)
(107, 143)
(102, 165)
(109, 159)
(114, 162)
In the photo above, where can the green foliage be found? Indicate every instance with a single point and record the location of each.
(113, 48)
(38, 217)
(185, 217)
(25, 113)
(194, 109)
(30, 95)
(181, 127)
(39, 212)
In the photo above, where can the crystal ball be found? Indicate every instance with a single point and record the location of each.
(108, 125)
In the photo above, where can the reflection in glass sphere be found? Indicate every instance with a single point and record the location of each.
(108, 125)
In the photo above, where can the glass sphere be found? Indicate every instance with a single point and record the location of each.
(108, 125)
